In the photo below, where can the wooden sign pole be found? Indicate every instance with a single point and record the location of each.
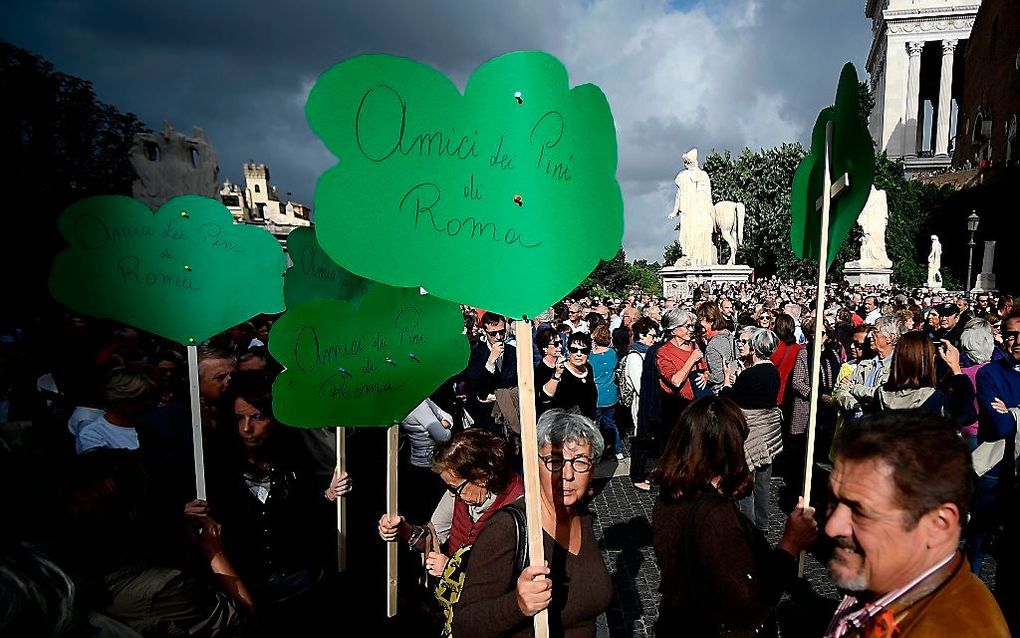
(196, 423)
(341, 502)
(829, 192)
(392, 444)
(529, 450)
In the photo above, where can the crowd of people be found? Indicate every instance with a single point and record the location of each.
(708, 398)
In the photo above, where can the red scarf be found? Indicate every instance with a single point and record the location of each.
(464, 531)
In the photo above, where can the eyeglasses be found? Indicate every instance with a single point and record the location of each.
(496, 333)
(581, 464)
(857, 344)
(553, 344)
(456, 491)
(577, 350)
(743, 342)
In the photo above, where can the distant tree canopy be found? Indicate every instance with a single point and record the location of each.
(617, 278)
(60, 144)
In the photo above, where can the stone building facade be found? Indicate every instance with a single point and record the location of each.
(990, 106)
(170, 163)
(258, 202)
(916, 69)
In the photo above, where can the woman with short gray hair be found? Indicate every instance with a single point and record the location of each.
(755, 392)
(495, 600)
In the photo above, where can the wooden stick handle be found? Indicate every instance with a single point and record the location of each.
(816, 353)
(529, 449)
(196, 423)
(341, 502)
(392, 443)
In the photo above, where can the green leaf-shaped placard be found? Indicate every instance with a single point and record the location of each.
(516, 178)
(315, 275)
(364, 364)
(185, 273)
(853, 154)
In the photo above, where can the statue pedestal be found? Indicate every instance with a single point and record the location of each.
(985, 282)
(677, 281)
(868, 275)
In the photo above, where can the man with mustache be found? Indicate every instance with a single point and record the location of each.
(900, 489)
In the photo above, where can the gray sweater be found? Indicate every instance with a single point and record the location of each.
(718, 354)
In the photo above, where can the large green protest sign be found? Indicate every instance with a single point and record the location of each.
(503, 198)
(185, 273)
(364, 364)
(852, 154)
(315, 275)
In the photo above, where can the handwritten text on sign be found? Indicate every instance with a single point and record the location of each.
(315, 275)
(185, 272)
(366, 364)
(432, 185)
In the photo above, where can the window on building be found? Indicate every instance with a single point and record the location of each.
(981, 136)
(260, 211)
(194, 157)
(152, 151)
(257, 189)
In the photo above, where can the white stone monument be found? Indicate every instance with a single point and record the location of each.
(874, 267)
(986, 278)
(935, 264)
(698, 219)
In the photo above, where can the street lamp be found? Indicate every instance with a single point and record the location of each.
(972, 226)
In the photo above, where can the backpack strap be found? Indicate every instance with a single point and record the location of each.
(521, 547)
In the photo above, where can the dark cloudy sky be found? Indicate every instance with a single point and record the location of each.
(715, 74)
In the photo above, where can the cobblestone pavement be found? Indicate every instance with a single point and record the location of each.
(623, 527)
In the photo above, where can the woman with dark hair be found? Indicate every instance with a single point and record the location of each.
(799, 399)
(718, 573)
(785, 356)
(273, 514)
(480, 479)
(603, 362)
(718, 343)
(575, 386)
(912, 382)
(549, 369)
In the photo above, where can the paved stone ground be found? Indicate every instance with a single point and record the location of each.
(623, 528)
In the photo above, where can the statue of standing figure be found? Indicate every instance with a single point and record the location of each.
(873, 220)
(698, 217)
(935, 263)
(694, 208)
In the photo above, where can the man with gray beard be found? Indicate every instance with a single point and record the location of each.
(900, 488)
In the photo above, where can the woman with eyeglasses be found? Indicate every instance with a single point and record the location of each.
(571, 387)
(575, 588)
(679, 364)
(549, 369)
(719, 575)
(480, 479)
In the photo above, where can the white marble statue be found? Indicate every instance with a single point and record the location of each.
(873, 220)
(728, 218)
(935, 263)
(694, 207)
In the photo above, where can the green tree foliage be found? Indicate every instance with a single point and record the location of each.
(913, 207)
(761, 180)
(672, 253)
(617, 278)
(62, 144)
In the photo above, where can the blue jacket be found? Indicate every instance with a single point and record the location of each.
(998, 379)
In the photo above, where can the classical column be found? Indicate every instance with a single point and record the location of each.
(945, 98)
(913, 98)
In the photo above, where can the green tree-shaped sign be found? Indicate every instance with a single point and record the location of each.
(315, 275)
(364, 364)
(452, 192)
(851, 154)
(185, 273)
